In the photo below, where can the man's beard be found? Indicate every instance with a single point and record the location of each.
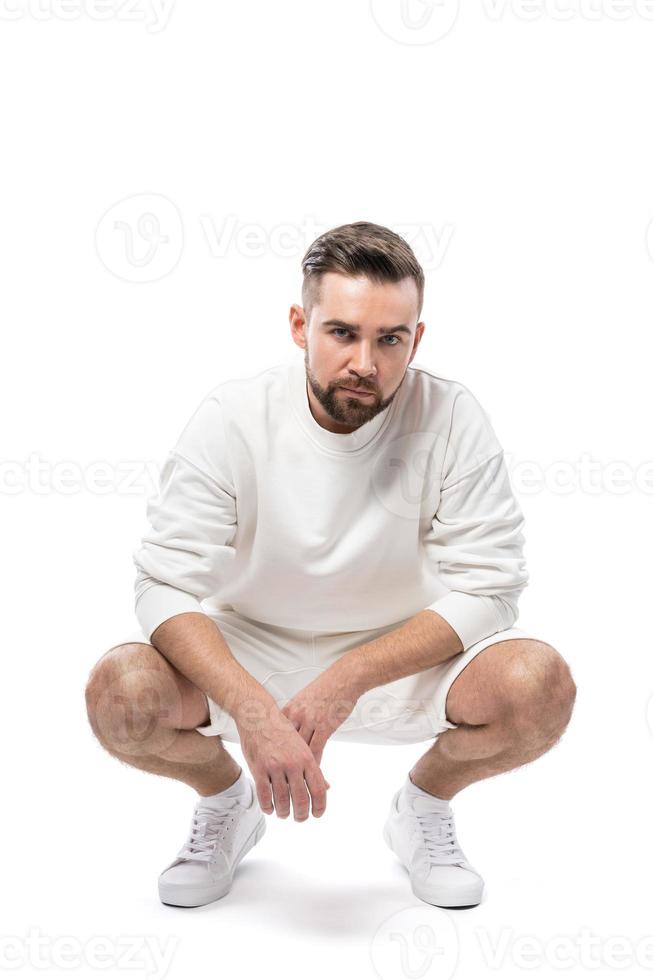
(350, 411)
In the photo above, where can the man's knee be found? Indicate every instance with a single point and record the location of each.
(130, 697)
(539, 691)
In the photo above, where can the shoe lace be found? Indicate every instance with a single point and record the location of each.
(207, 826)
(439, 836)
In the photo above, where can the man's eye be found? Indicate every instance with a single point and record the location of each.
(385, 336)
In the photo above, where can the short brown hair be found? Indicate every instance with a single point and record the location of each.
(360, 249)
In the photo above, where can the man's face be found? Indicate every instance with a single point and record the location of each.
(361, 335)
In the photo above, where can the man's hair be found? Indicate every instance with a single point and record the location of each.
(359, 249)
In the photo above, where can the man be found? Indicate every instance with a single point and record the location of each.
(335, 552)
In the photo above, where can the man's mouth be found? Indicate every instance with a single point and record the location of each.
(357, 391)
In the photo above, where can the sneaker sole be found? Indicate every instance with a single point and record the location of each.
(464, 897)
(189, 897)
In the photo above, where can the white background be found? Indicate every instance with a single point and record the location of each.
(512, 146)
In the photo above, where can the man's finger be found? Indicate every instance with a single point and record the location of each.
(264, 793)
(300, 797)
(281, 791)
(317, 786)
(316, 745)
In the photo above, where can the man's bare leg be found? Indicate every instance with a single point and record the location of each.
(512, 703)
(143, 711)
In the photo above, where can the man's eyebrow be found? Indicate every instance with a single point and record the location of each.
(354, 327)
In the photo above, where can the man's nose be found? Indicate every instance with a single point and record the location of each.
(362, 363)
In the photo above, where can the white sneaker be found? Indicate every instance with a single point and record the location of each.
(421, 832)
(220, 836)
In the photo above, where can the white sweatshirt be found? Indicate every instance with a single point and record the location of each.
(263, 510)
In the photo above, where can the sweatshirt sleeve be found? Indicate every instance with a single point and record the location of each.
(184, 556)
(476, 535)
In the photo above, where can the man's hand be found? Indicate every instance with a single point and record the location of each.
(321, 707)
(281, 762)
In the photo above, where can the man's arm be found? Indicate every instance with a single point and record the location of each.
(184, 557)
(475, 542)
(279, 760)
(187, 551)
(323, 705)
(194, 644)
(423, 641)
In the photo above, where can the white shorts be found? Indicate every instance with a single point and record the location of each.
(410, 709)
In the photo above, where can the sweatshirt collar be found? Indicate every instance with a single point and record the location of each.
(338, 441)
